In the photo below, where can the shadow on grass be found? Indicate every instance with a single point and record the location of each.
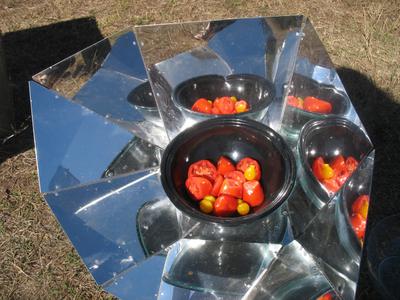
(380, 115)
(28, 52)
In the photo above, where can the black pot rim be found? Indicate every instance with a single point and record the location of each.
(276, 201)
(315, 124)
(262, 104)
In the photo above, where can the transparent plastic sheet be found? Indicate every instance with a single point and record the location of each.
(99, 134)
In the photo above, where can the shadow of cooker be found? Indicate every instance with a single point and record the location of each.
(29, 51)
(379, 113)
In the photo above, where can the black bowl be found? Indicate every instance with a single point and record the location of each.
(236, 139)
(256, 90)
(143, 100)
(295, 118)
(328, 138)
(359, 184)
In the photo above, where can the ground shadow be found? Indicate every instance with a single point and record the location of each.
(379, 112)
(29, 51)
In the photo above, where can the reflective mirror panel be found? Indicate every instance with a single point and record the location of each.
(314, 76)
(212, 59)
(73, 143)
(117, 223)
(109, 78)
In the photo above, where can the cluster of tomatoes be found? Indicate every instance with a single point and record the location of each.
(311, 104)
(225, 190)
(221, 106)
(334, 174)
(359, 216)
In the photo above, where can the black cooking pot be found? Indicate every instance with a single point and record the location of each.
(256, 90)
(234, 138)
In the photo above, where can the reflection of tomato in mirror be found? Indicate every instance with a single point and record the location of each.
(225, 190)
(334, 174)
(221, 106)
(359, 216)
(310, 104)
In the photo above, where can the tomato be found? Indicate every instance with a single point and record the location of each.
(322, 170)
(253, 193)
(351, 164)
(225, 206)
(331, 185)
(231, 187)
(224, 165)
(245, 163)
(217, 185)
(326, 296)
(358, 223)
(316, 105)
(338, 164)
(203, 168)
(241, 106)
(342, 177)
(198, 187)
(203, 105)
(215, 111)
(236, 175)
(225, 105)
(360, 206)
(295, 102)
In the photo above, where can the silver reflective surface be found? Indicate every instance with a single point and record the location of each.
(100, 128)
(176, 53)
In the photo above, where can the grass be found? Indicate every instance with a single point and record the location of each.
(37, 261)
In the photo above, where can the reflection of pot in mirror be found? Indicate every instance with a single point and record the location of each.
(142, 99)
(327, 138)
(215, 266)
(309, 287)
(270, 229)
(234, 138)
(256, 90)
(294, 118)
(358, 185)
(157, 226)
(137, 155)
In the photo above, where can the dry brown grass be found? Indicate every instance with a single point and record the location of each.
(37, 260)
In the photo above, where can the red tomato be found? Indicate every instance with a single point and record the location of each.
(360, 206)
(326, 296)
(351, 164)
(331, 185)
(217, 185)
(245, 163)
(198, 187)
(203, 168)
(224, 165)
(225, 105)
(236, 175)
(316, 105)
(253, 193)
(202, 105)
(225, 206)
(342, 177)
(215, 111)
(317, 167)
(358, 223)
(295, 102)
(231, 187)
(338, 164)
